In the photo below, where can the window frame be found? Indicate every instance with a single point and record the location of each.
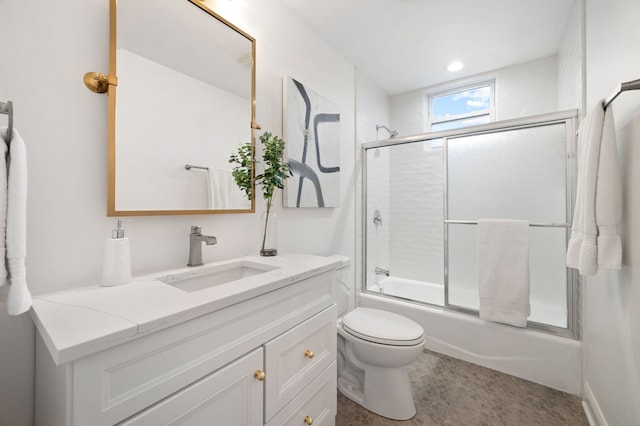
(491, 83)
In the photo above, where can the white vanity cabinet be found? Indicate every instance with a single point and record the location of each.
(269, 360)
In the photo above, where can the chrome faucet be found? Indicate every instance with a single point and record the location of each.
(195, 245)
(380, 271)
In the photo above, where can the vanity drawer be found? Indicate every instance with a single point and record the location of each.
(317, 401)
(296, 357)
(229, 396)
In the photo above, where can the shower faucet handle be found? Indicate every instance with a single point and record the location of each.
(377, 218)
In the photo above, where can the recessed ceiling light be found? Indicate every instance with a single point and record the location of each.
(455, 66)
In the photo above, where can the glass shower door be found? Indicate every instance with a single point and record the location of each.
(404, 221)
(424, 195)
(516, 173)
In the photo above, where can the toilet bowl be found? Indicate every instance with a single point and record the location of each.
(375, 348)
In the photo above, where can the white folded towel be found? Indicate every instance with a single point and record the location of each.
(503, 271)
(594, 233)
(19, 299)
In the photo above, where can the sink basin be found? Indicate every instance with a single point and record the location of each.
(211, 276)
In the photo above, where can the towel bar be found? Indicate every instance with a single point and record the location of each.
(623, 87)
(191, 166)
(541, 225)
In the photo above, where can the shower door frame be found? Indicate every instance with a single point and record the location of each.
(570, 119)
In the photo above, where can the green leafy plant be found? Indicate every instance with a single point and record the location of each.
(275, 171)
(242, 171)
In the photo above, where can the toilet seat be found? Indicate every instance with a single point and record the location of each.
(382, 327)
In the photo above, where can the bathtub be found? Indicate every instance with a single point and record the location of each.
(410, 289)
(433, 293)
(532, 355)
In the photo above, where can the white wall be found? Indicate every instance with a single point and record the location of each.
(521, 90)
(409, 113)
(527, 89)
(611, 302)
(51, 46)
(373, 109)
(17, 358)
(570, 54)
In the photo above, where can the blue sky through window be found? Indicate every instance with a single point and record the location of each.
(468, 101)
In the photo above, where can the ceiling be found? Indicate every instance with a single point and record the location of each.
(403, 45)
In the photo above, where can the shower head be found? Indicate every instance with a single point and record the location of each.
(392, 133)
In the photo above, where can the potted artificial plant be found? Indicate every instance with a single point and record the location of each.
(275, 172)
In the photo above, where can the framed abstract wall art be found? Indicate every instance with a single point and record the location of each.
(312, 135)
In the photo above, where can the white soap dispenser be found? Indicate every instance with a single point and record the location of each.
(116, 269)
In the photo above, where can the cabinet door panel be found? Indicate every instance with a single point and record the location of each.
(229, 396)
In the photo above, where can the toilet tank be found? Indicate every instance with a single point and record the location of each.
(343, 287)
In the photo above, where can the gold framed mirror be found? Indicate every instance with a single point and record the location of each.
(185, 101)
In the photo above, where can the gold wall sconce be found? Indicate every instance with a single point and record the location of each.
(99, 82)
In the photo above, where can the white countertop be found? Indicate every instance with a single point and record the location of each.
(78, 322)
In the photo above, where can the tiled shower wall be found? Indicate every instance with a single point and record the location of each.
(416, 250)
(378, 190)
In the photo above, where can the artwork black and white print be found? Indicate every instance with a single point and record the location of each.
(312, 134)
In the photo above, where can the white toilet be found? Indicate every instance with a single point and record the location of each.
(374, 349)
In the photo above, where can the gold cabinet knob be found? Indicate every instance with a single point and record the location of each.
(260, 375)
(308, 420)
(309, 354)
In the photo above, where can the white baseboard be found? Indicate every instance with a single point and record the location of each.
(592, 408)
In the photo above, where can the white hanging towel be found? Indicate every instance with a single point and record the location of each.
(594, 233)
(219, 186)
(3, 208)
(503, 271)
(19, 299)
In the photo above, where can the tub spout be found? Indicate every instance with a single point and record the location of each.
(380, 271)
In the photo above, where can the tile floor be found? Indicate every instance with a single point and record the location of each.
(451, 392)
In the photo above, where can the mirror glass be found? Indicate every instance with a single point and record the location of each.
(185, 96)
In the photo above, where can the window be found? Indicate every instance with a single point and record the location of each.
(461, 107)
